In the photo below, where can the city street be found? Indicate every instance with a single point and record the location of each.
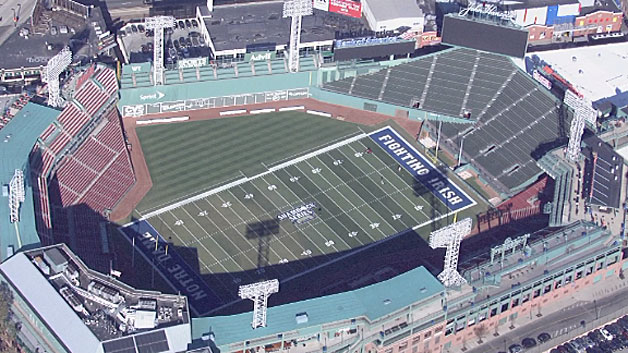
(564, 324)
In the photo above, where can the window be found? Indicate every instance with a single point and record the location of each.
(578, 274)
(614, 258)
(547, 289)
(428, 334)
(416, 340)
(493, 312)
(403, 346)
(525, 298)
(515, 303)
(536, 293)
(504, 307)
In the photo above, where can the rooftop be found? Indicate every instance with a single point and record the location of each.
(17, 140)
(545, 252)
(530, 4)
(602, 173)
(600, 72)
(32, 46)
(372, 302)
(84, 307)
(261, 24)
(384, 10)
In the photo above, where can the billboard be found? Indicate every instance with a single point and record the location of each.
(321, 5)
(484, 35)
(367, 48)
(346, 7)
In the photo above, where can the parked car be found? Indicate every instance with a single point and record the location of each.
(528, 342)
(606, 334)
(515, 348)
(544, 337)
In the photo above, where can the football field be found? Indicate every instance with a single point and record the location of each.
(304, 213)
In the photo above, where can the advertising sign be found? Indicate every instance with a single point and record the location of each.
(346, 7)
(192, 62)
(260, 56)
(542, 80)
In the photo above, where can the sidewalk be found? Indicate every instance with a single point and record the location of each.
(596, 304)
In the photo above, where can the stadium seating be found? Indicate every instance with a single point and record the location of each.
(82, 168)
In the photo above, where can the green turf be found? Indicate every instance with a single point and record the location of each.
(188, 158)
(235, 237)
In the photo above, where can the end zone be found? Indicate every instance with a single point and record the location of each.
(422, 169)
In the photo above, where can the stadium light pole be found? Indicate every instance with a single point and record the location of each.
(158, 24)
(450, 237)
(50, 75)
(460, 153)
(295, 9)
(440, 125)
(582, 112)
(259, 293)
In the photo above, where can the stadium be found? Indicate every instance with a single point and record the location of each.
(329, 179)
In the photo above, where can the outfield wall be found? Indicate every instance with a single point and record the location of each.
(233, 92)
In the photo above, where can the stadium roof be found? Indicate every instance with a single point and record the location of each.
(515, 120)
(48, 304)
(373, 302)
(18, 138)
(605, 182)
(531, 4)
(600, 72)
(262, 24)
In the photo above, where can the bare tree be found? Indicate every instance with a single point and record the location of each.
(480, 332)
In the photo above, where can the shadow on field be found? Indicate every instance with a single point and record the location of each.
(423, 191)
(263, 231)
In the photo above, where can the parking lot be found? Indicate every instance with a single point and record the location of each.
(613, 337)
(183, 41)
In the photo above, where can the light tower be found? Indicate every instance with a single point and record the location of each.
(16, 195)
(50, 75)
(450, 237)
(295, 9)
(158, 23)
(259, 293)
(582, 112)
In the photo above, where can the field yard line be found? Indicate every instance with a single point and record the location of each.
(348, 201)
(245, 179)
(403, 181)
(370, 192)
(324, 223)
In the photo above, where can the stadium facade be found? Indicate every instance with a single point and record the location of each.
(414, 313)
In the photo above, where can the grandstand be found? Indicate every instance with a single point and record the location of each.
(512, 120)
(81, 167)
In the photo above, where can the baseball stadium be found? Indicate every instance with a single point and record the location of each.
(329, 179)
